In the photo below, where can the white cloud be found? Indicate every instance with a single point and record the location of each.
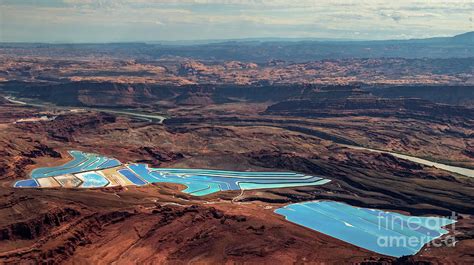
(216, 18)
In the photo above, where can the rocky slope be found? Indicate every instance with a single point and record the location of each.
(115, 230)
(157, 223)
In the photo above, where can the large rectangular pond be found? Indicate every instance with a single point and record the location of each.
(387, 233)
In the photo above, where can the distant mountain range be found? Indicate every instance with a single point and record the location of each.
(464, 37)
(264, 50)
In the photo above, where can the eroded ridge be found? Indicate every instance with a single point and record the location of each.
(88, 170)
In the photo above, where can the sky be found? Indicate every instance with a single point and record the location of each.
(79, 21)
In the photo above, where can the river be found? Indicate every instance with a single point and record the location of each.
(154, 117)
(453, 169)
(146, 116)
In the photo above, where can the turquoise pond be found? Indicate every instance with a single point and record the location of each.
(199, 182)
(387, 233)
(92, 180)
(80, 162)
(202, 182)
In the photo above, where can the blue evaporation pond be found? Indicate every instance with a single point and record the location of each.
(386, 233)
(195, 186)
(132, 177)
(202, 182)
(80, 162)
(198, 182)
(93, 180)
(77, 159)
(28, 183)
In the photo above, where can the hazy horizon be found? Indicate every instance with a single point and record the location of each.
(106, 21)
(205, 41)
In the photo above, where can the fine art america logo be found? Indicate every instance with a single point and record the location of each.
(414, 232)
